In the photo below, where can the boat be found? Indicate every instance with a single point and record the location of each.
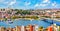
(10, 21)
(48, 21)
(45, 20)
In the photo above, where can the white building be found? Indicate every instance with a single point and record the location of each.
(22, 28)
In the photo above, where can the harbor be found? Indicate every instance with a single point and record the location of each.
(44, 23)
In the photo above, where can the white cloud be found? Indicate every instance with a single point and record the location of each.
(36, 5)
(27, 3)
(45, 1)
(43, 5)
(8, 3)
(13, 2)
(40, 5)
(54, 4)
(49, 2)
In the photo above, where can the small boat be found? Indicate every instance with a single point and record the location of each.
(44, 20)
(10, 22)
(31, 19)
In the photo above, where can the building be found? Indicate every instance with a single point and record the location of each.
(50, 28)
(40, 28)
(2, 29)
(31, 27)
(27, 28)
(18, 28)
(36, 27)
(46, 29)
(55, 27)
(9, 29)
(22, 28)
(14, 29)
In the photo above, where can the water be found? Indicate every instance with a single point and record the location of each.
(26, 22)
(57, 22)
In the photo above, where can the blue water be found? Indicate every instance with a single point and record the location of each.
(27, 22)
(57, 22)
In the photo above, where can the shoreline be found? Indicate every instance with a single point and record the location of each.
(32, 19)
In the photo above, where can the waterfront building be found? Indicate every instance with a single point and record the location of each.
(2, 29)
(9, 29)
(0, 15)
(46, 29)
(50, 28)
(59, 28)
(27, 28)
(40, 28)
(54, 27)
(36, 27)
(18, 28)
(14, 29)
(22, 28)
(31, 27)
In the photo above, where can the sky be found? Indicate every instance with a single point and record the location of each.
(30, 4)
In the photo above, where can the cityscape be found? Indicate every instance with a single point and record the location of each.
(26, 19)
(30, 15)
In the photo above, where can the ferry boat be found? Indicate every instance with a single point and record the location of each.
(9, 21)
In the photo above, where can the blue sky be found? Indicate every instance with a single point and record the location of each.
(30, 4)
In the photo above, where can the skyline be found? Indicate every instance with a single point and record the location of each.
(30, 4)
